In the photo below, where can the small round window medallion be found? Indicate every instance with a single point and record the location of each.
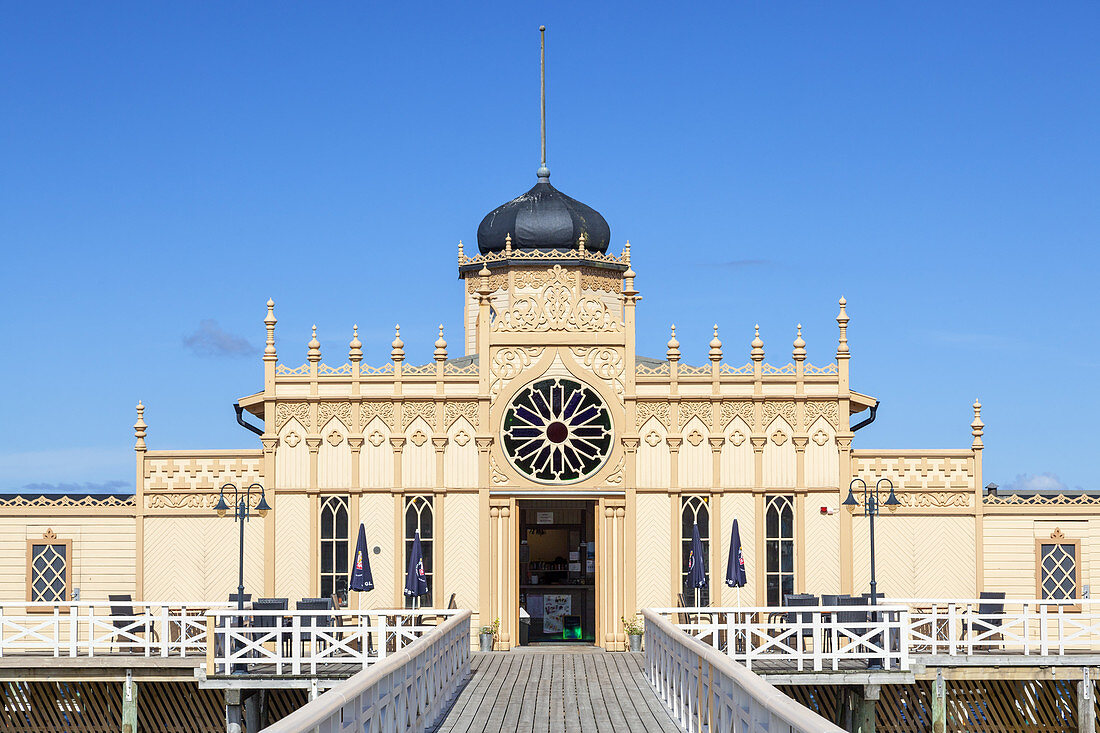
(557, 431)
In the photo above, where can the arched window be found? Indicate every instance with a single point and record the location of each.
(694, 510)
(779, 547)
(334, 547)
(420, 516)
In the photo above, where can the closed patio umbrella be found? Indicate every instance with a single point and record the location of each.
(416, 583)
(361, 577)
(735, 566)
(697, 566)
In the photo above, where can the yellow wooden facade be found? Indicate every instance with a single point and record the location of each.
(735, 433)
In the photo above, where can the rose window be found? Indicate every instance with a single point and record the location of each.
(557, 431)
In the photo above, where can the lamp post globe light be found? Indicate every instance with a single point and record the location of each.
(871, 506)
(241, 514)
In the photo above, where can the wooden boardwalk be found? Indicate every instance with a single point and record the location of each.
(550, 690)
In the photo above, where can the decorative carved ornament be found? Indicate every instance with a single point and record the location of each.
(820, 408)
(1057, 534)
(22, 502)
(616, 476)
(1040, 500)
(652, 438)
(695, 437)
(779, 437)
(382, 410)
(341, 410)
(820, 437)
(607, 364)
(737, 438)
(334, 438)
(465, 408)
(497, 477)
(50, 535)
(284, 411)
(736, 408)
(784, 408)
(376, 438)
(462, 438)
(292, 439)
(559, 305)
(507, 364)
(420, 408)
(659, 410)
(418, 438)
(696, 408)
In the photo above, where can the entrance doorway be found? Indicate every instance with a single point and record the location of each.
(557, 571)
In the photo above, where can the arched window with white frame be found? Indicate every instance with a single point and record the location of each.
(420, 516)
(694, 509)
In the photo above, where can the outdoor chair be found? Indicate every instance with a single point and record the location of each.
(312, 624)
(850, 624)
(122, 616)
(273, 622)
(829, 599)
(987, 621)
(800, 599)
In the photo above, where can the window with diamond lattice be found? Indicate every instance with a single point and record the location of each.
(49, 577)
(1059, 570)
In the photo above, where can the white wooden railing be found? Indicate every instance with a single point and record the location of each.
(88, 628)
(299, 641)
(409, 690)
(705, 690)
(893, 632)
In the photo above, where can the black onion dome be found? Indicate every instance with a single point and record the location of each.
(543, 218)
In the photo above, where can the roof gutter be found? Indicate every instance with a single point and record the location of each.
(240, 419)
(863, 423)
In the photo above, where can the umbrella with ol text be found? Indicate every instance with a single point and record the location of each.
(361, 577)
(735, 567)
(697, 567)
(416, 582)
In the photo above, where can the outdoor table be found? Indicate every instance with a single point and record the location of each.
(942, 631)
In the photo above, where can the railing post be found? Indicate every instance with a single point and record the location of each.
(904, 640)
(164, 630)
(74, 629)
(91, 632)
(296, 644)
(364, 636)
(3, 624)
(382, 641)
(211, 643)
(57, 630)
(953, 630)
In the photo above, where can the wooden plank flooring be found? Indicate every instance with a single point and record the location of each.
(553, 691)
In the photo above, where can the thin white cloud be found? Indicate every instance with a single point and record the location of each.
(106, 487)
(209, 339)
(1046, 482)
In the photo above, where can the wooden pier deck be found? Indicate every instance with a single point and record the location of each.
(550, 689)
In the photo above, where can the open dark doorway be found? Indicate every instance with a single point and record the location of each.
(557, 571)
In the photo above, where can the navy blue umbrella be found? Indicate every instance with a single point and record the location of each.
(361, 577)
(735, 568)
(697, 567)
(416, 583)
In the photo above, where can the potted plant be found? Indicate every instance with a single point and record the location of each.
(487, 634)
(634, 628)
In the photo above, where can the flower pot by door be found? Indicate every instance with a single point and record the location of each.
(635, 642)
(486, 642)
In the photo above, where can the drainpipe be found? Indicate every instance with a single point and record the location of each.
(240, 419)
(857, 426)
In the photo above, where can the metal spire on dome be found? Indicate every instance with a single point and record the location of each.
(543, 172)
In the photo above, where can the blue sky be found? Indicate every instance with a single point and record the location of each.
(167, 169)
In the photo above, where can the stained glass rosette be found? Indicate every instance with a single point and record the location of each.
(557, 431)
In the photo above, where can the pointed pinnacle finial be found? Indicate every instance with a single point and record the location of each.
(269, 323)
(440, 346)
(461, 254)
(355, 348)
(398, 351)
(716, 346)
(673, 353)
(508, 243)
(799, 345)
(842, 321)
(139, 428)
(977, 427)
(314, 353)
(757, 352)
(581, 240)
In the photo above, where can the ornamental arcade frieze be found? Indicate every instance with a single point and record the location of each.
(201, 472)
(928, 471)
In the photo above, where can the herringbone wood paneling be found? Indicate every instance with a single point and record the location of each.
(376, 513)
(292, 550)
(196, 558)
(822, 551)
(461, 556)
(923, 557)
(654, 550)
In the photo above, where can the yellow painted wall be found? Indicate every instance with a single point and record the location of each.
(376, 512)
(461, 555)
(739, 507)
(822, 554)
(197, 558)
(651, 573)
(917, 557)
(292, 550)
(103, 562)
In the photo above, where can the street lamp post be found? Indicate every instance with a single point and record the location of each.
(871, 508)
(241, 513)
